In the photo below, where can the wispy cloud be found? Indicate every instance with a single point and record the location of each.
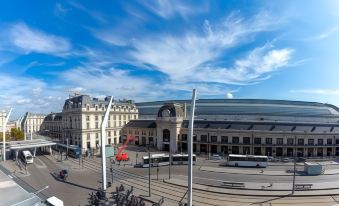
(331, 92)
(28, 39)
(181, 56)
(60, 10)
(169, 8)
(29, 94)
(257, 66)
(92, 13)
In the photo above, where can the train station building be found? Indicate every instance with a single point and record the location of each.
(240, 126)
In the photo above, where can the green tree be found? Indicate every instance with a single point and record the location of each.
(7, 136)
(17, 134)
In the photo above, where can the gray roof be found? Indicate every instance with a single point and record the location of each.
(248, 107)
(141, 124)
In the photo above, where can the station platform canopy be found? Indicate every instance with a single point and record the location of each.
(17, 145)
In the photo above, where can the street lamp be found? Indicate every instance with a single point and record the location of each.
(190, 150)
(4, 135)
(295, 152)
(149, 172)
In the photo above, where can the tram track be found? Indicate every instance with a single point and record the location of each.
(124, 176)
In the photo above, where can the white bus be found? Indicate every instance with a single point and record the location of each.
(27, 157)
(182, 159)
(247, 160)
(156, 160)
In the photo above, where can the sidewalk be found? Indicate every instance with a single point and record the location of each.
(234, 170)
(257, 189)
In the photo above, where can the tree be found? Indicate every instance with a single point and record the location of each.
(17, 134)
(7, 136)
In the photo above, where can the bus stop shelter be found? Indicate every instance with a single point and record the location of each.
(16, 146)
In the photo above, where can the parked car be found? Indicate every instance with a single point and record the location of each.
(285, 159)
(301, 159)
(216, 157)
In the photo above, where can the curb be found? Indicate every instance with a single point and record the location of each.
(261, 195)
(263, 173)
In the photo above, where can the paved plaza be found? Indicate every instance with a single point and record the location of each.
(269, 187)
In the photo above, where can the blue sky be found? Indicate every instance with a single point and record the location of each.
(156, 50)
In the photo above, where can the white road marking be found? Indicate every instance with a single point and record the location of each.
(10, 176)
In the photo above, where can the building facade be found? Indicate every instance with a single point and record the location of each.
(258, 127)
(31, 123)
(82, 117)
(52, 126)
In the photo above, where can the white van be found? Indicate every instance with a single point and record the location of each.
(54, 201)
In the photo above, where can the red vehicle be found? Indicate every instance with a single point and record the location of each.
(122, 156)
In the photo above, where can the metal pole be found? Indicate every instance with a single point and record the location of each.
(149, 172)
(103, 144)
(157, 173)
(112, 172)
(190, 149)
(170, 161)
(4, 135)
(294, 170)
(67, 149)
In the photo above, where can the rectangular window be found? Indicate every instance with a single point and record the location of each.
(96, 135)
(88, 136)
(257, 140)
(214, 139)
(224, 139)
(87, 125)
(300, 141)
(280, 141)
(96, 118)
(290, 141)
(109, 133)
(235, 140)
(336, 141)
(320, 141)
(310, 141)
(195, 138)
(247, 140)
(87, 118)
(329, 141)
(203, 138)
(184, 137)
(96, 125)
(268, 140)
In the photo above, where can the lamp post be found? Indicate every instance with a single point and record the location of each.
(149, 172)
(103, 144)
(67, 149)
(170, 160)
(190, 150)
(4, 135)
(295, 152)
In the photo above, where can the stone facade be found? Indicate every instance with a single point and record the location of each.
(258, 137)
(82, 117)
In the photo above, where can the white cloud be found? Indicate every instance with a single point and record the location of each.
(29, 94)
(112, 81)
(36, 91)
(23, 101)
(60, 10)
(257, 66)
(169, 8)
(180, 56)
(229, 95)
(32, 40)
(324, 35)
(92, 13)
(330, 92)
